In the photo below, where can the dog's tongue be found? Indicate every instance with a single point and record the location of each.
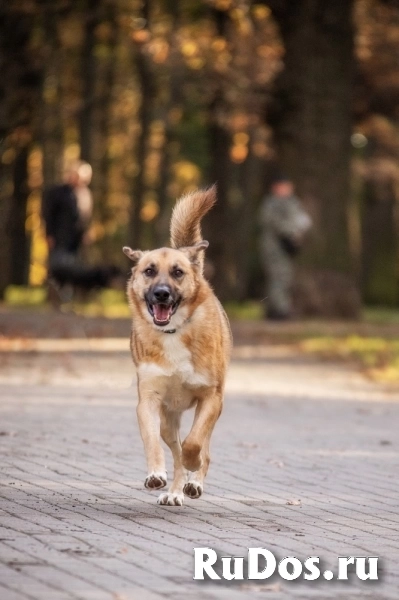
(162, 312)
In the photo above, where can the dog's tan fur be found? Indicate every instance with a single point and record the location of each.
(180, 370)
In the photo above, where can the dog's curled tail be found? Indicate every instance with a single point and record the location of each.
(185, 225)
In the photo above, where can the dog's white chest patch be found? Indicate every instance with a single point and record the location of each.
(179, 362)
(179, 356)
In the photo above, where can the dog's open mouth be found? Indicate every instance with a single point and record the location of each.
(162, 313)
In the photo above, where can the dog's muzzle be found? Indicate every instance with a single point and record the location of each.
(162, 304)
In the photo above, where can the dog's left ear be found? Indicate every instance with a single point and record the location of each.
(192, 251)
(134, 255)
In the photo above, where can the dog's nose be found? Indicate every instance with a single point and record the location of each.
(162, 293)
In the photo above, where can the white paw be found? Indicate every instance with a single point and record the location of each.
(155, 481)
(170, 499)
(193, 489)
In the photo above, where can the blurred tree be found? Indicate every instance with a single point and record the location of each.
(376, 140)
(19, 248)
(218, 227)
(171, 114)
(312, 123)
(105, 104)
(91, 16)
(98, 73)
(239, 82)
(21, 68)
(140, 36)
(51, 125)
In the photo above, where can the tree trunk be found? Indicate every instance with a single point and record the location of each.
(161, 226)
(51, 120)
(218, 227)
(89, 80)
(106, 65)
(380, 255)
(249, 277)
(4, 169)
(144, 118)
(106, 105)
(4, 229)
(175, 101)
(313, 123)
(144, 75)
(19, 247)
(19, 97)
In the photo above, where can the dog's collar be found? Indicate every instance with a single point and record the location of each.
(174, 330)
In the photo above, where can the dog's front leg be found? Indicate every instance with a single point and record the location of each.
(170, 432)
(195, 448)
(148, 414)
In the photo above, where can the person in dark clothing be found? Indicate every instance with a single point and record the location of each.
(67, 210)
(63, 227)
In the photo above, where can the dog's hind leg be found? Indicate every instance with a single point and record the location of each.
(170, 433)
(195, 448)
(148, 414)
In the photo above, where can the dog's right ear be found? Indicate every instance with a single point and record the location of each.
(134, 255)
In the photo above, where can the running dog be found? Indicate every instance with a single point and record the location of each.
(181, 344)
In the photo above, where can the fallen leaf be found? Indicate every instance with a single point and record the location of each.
(248, 445)
(276, 463)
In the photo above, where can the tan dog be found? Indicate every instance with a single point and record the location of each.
(181, 346)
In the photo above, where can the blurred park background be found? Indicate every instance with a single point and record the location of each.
(163, 96)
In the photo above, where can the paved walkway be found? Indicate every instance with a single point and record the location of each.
(305, 463)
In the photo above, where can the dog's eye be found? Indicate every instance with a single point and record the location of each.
(178, 273)
(150, 272)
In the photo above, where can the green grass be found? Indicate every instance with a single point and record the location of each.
(21, 296)
(107, 303)
(253, 310)
(104, 303)
(381, 315)
(250, 310)
(378, 357)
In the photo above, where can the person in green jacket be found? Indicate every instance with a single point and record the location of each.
(284, 223)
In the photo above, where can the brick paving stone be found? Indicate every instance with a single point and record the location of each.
(77, 524)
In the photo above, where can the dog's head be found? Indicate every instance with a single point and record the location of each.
(164, 281)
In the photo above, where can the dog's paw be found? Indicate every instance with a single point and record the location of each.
(170, 499)
(193, 489)
(155, 481)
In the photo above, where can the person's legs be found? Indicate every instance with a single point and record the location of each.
(280, 275)
(61, 264)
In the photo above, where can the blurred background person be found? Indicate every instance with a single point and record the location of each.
(67, 211)
(284, 224)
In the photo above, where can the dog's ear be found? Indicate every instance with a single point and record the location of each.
(134, 255)
(202, 245)
(192, 251)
